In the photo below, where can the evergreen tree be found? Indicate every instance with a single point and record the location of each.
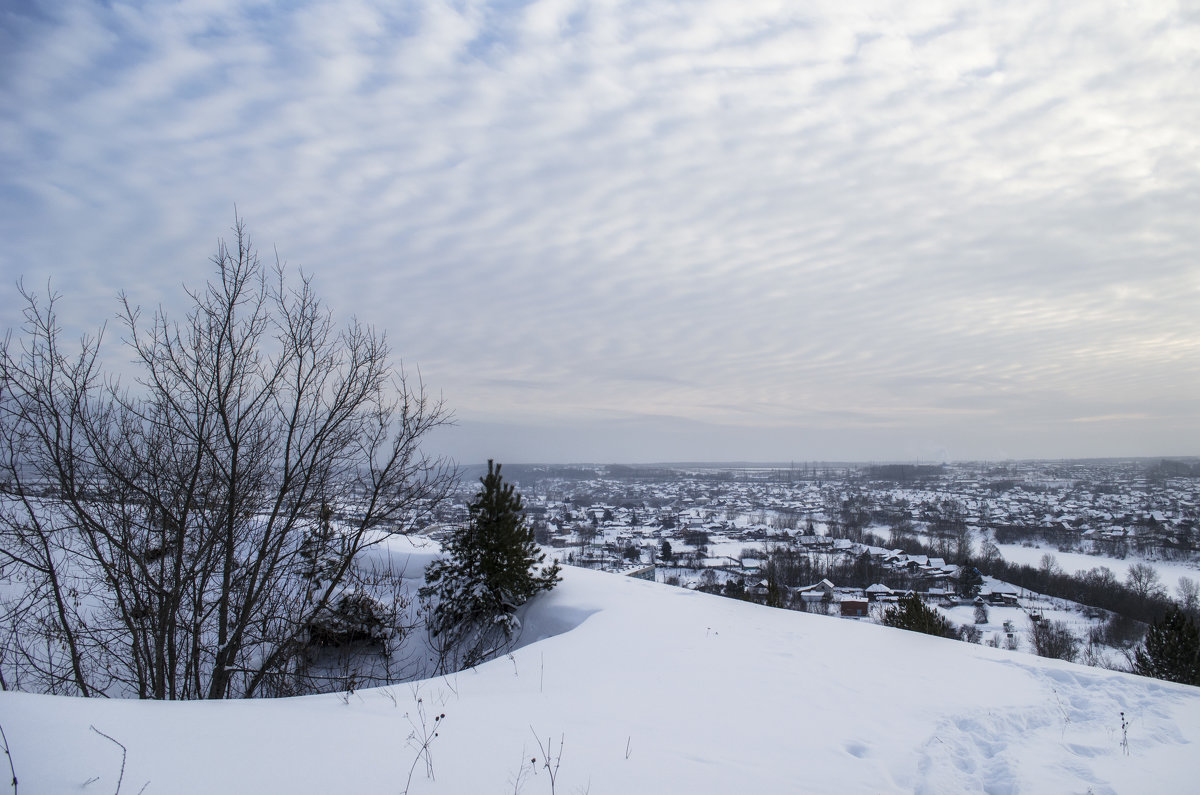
(1171, 650)
(490, 568)
(912, 614)
(970, 581)
(775, 594)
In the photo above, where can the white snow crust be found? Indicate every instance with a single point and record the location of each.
(652, 689)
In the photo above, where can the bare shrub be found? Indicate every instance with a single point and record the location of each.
(182, 536)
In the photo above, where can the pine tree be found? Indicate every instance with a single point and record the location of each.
(970, 581)
(912, 614)
(1171, 650)
(490, 568)
(774, 592)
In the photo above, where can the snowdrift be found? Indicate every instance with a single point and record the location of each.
(650, 689)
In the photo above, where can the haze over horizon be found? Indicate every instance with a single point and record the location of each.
(651, 231)
(815, 464)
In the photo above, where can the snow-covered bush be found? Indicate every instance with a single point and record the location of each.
(353, 617)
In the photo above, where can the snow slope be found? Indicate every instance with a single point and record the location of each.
(652, 689)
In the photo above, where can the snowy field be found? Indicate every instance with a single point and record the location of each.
(1072, 562)
(719, 546)
(1018, 618)
(644, 688)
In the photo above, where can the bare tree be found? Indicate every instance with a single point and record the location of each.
(178, 538)
(1143, 580)
(989, 553)
(1054, 639)
(903, 534)
(1049, 566)
(1189, 595)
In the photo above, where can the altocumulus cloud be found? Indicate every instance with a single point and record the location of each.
(653, 230)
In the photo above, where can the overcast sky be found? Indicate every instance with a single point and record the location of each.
(654, 231)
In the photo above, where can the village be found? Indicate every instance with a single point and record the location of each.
(850, 540)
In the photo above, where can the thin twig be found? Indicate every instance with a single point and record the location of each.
(522, 771)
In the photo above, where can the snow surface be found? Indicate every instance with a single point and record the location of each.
(1071, 562)
(652, 689)
(406, 555)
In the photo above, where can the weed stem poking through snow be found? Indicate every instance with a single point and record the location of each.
(124, 753)
(8, 753)
(422, 737)
(549, 762)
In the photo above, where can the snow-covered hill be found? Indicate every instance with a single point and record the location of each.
(651, 689)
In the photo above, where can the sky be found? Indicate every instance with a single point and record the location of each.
(654, 231)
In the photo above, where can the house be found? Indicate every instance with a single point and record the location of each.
(878, 592)
(640, 572)
(852, 607)
(940, 595)
(751, 566)
(820, 591)
(759, 588)
(1006, 598)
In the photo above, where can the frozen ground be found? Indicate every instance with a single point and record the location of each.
(652, 689)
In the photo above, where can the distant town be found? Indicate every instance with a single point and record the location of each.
(1112, 508)
(850, 539)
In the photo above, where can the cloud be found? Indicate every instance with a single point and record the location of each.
(749, 216)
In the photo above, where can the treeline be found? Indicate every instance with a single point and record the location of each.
(656, 474)
(1185, 545)
(1097, 587)
(531, 474)
(1174, 469)
(794, 568)
(904, 473)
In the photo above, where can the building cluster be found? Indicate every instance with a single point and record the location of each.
(708, 527)
(1134, 506)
